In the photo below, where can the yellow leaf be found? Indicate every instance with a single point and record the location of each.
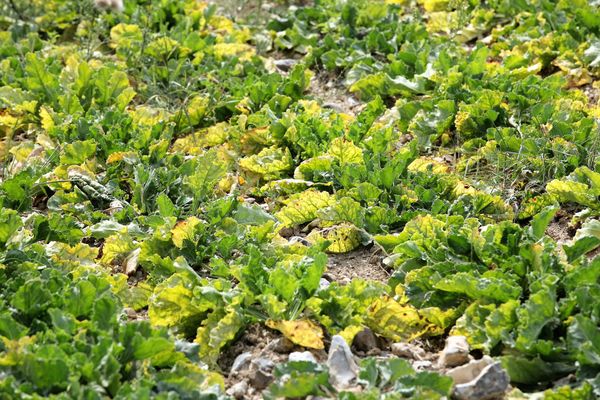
(311, 107)
(206, 137)
(120, 156)
(434, 5)
(242, 51)
(184, 230)
(302, 332)
(424, 164)
(116, 248)
(349, 332)
(221, 23)
(345, 151)
(12, 353)
(149, 116)
(303, 207)
(343, 238)
(392, 320)
(46, 118)
(125, 35)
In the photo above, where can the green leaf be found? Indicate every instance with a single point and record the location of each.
(79, 298)
(251, 214)
(32, 298)
(62, 321)
(587, 238)
(486, 325)
(39, 78)
(583, 337)
(218, 330)
(534, 371)
(11, 329)
(493, 285)
(302, 379)
(10, 222)
(78, 152)
(166, 208)
(152, 347)
(540, 222)
(537, 312)
(46, 372)
(104, 312)
(477, 61)
(209, 169)
(429, 125)
(592, 54)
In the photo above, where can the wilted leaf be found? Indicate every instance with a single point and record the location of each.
(303, 207)
(301, 332)
(341, 238)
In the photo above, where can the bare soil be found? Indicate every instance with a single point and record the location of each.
(364, 263)
(329, 91)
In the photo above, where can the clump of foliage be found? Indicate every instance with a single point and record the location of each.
(151, 160)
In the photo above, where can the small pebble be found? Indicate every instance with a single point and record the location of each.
(238, 390)
(343, 370)
(407, 350)
(281, 345)
(302, 356)
(491, 383)
(456, 352)
(240, 363)
(365, 340)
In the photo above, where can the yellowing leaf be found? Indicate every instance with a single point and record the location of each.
(434, 5)
(21, 151)
(79, 254)
(207, 137)
(392, 320)
(302, 332)
(349, 332)
(342, 238)
(196, 108)
(303, 207)
(121, 155)
(345, 151)
(125, 35)
(46, 118)
(116, 248)
(149, 116)
(570, 191)
(171, 304)
(270, 162)
(13, 350)
(242, 51)
(184, 230)
(426, 164)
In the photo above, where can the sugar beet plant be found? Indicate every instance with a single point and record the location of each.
(152, 161)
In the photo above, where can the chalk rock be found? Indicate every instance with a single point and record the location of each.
(455, 353)
(491, 383)
(340, 361)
